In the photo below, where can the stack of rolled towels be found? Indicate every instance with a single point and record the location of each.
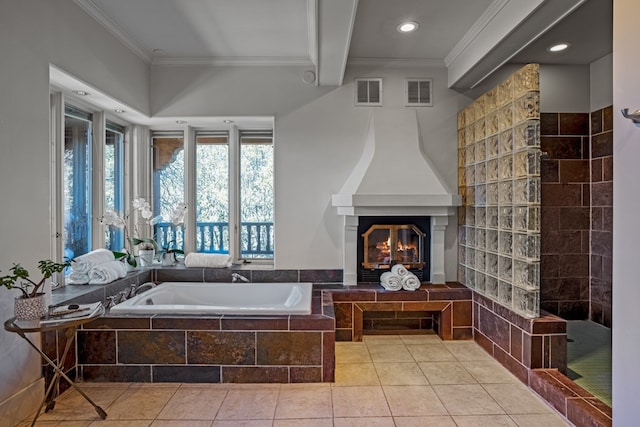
(97, 267)
(399, 278)
(197, 259)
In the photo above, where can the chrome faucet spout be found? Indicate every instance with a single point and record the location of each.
(235, 277)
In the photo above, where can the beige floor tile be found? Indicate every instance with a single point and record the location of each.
(467, 350)
(364, 422)
(242, 423)
(489, 372)
(537, 420)
(407, 401)
(120, 423)
(387, 339)
(400, 373)
(304, 422)
(446, 373)
(517, 399)
(420, 339)
(248, 404)
(193, 403)
(355, 374)
(430, 421)
(352, 352)
(71, 405)
(140, 403)
(484, 421)
(467, 399)
(430, 353)
(308, 401)
(383, 352)
(181, 423)
(360, 401)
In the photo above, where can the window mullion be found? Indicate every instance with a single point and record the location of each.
(234, 194)
(97, 178)
(190, 189)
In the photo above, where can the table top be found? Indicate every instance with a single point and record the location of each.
(27, 326)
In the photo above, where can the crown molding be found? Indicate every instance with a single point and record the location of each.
(396, 63)
(255, 61)
(96, 13)
(475, 30)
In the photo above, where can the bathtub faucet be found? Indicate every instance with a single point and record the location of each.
(235, 277)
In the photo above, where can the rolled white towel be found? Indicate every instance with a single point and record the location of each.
(107, 272)
(195, 259)
(390, 281)
(410, 282)
(84, 263)
(400, 270)
(76, 278)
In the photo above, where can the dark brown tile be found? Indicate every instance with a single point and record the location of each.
(575, 218)
(344, 314)
(574, 171)
(574, 310)
(583, 412)
(462, 313)
(485, 343)
(186, 323)
(573, 124)
(186, 374)
(176, 274)
(602, 145)
(548, 124)
(549, 218)
(96, 347)
(220, 348)
(602, 194)
(562, 147)
(354, 295)
(344, 335)
(418, 295)
(532, 351)
(254, 324)
(516, 343)
(462, 333)
(550, 390)
(602, 243)
(549, 170)
(548, 267)
(151, 347)
(321, 276)
(607, 168)
(596, 170)
(573, 265)
(328, 356)
(108, 322)
(116, 373)
(511, 364)
(271, 276)
(255, 374)
(607, 118)
(558, 352)
(289, 348)
(561, 194)
(311, 323)
(305, 374)
(596, 122)
(561, 242)
(495, 328)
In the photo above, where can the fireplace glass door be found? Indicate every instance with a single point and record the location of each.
(384, 244)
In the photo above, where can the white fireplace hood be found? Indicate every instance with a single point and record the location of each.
(393, 177)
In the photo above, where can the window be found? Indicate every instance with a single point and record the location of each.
(418, 92)
(168, 186)
(77, 182)
(114, 181)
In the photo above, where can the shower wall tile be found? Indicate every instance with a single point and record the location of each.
(561, 147)
(573, 124)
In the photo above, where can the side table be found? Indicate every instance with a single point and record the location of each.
(70, 326)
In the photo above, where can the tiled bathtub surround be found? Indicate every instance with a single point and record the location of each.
(499, 179)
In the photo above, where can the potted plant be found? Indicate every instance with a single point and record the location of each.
(169, 253)
(31, 303)
(147, 248)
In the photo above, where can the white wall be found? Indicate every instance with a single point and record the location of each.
(33, 34)
(319, 136)
(601, 78)
(626, 205)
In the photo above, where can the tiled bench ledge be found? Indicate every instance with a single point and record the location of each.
(451, 305)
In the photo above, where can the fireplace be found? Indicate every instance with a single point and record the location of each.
(384, 241)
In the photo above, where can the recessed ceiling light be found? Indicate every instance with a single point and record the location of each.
(228, 121)
(407, 27)
(558, 47)
(181, 122)
(81, 92)
(120, 111)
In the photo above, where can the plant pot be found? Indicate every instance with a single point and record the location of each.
(30, 308)
(168, 259)
(145, 256)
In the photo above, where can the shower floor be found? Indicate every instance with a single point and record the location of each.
(589, 357)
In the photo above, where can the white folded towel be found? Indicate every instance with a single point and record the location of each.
(107, 272)
(195, 259)
(76, 278)
(410, 282)
(400, 270)
(390, 281)
(84, 263)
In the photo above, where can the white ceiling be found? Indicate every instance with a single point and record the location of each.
(472, 38)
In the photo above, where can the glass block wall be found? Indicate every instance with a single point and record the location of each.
(499, 180)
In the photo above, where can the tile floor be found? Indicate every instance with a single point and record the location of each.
(403, 381)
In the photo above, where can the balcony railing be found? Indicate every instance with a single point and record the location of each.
(213, 237)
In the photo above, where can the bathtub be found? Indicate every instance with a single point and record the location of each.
(221, 298)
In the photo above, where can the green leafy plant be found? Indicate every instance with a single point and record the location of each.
(19, 277)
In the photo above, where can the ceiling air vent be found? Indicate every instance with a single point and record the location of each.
(368, 92)
(418, 92)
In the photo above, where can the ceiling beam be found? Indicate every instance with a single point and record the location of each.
(335, 26)
(506, 28)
